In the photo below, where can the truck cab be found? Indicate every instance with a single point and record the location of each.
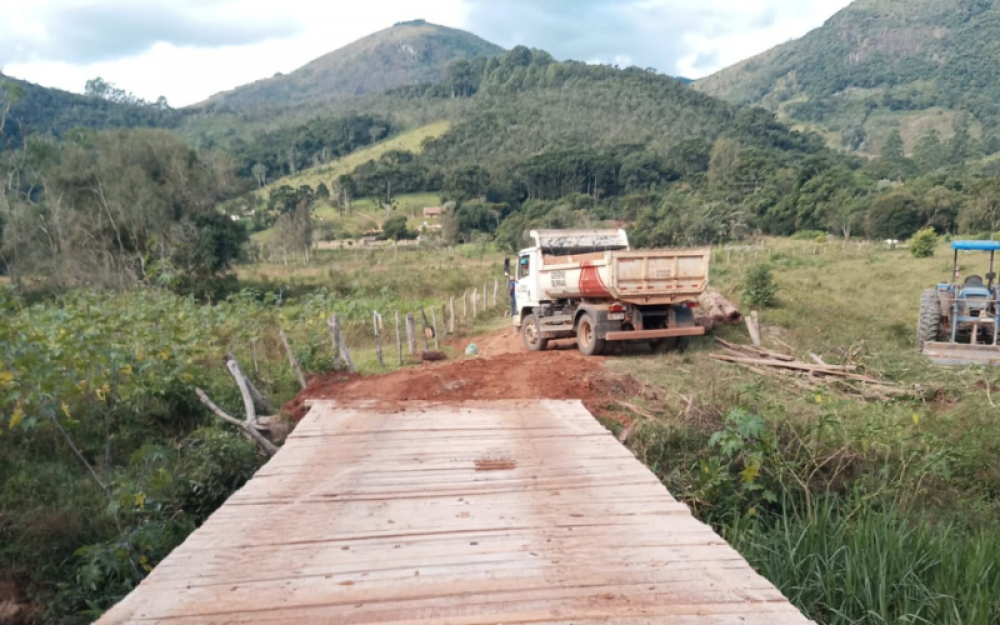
(591, 285)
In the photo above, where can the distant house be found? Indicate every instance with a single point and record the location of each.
(433, 211)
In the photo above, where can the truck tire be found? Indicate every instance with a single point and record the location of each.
(532, 335)
(586, 337)
(929, 325)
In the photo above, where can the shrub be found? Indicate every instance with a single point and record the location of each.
(923, 243)
(759, 288)
(809, 235)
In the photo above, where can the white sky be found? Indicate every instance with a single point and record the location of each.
(188, 50)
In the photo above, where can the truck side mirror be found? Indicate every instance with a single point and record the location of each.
(506, 267)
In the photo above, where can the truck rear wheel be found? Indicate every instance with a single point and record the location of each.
(532, 334)
(929, 325)
(586, 337)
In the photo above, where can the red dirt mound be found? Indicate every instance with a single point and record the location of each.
(503, 370)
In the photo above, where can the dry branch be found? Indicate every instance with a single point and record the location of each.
(251, 431)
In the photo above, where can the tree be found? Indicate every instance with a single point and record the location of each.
(893, 148)
(394, 229)
(894, 216)
(466, 183)
(322, 193)
(723, 162)
(259, 171)
(929, 152)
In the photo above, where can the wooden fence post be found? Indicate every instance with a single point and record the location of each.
(377, 321)
(344, 352)
(475, 296)
(292, 361)
(423, 319)
(486, 302)
(411, 331)
(434, 324)
(399, 341)
(451, 325)
(334, 324)
(465, 307)
(496, 290)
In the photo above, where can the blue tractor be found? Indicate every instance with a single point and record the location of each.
(959, 321)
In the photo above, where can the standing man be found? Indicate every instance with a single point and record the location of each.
(512, 287)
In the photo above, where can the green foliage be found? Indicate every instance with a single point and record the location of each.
(851, 562)
(394, 229)
(923, 243)
(38, 110)
(897, 64)
(759, 288)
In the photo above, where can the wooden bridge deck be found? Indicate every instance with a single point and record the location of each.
(471, 514)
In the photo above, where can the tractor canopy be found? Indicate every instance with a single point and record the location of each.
(976, 246)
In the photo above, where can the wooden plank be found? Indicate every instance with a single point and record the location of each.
(475, 514)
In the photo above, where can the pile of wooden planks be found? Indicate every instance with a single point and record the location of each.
(815, 376)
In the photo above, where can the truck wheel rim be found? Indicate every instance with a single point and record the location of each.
(532, 333)
(588, 333)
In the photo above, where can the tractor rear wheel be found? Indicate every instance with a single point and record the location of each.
(929, 326)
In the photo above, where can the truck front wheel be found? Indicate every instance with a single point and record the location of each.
(586, 337)
(532, 335)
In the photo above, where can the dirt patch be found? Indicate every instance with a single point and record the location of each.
(502, 370)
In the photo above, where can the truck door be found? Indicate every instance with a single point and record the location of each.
(526, 292)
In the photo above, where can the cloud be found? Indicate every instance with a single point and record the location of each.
(78, 33)
(674, 36)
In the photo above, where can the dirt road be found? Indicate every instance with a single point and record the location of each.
(502, 370)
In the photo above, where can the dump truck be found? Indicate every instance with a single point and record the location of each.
(590, 285)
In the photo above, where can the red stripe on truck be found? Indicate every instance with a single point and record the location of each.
(590, 282)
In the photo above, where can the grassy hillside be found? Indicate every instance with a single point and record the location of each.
(411, 141)
(406, 54)
(916, 65)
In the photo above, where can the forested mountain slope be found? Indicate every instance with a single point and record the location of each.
(406, 54)
(33, 109)
(922, 66)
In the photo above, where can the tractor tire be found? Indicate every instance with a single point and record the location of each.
(929, 325)
(586, 337)
(531, 334)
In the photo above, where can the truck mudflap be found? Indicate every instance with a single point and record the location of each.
(645, 335)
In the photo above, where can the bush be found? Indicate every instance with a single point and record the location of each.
(759, 288)
(923, 243)
(809, 235)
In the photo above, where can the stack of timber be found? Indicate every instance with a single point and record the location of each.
(809, 376)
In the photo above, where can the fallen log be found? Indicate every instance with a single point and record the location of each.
(716, 311)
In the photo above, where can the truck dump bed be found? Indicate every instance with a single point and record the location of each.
(599, 265)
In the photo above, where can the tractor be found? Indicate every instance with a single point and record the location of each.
(959, 321)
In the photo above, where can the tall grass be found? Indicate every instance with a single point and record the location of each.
(847, 565)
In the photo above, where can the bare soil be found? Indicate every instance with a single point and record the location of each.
(503, 369)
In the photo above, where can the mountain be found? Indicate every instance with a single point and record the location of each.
(40, 110)
(406, 54)
(919, 66)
